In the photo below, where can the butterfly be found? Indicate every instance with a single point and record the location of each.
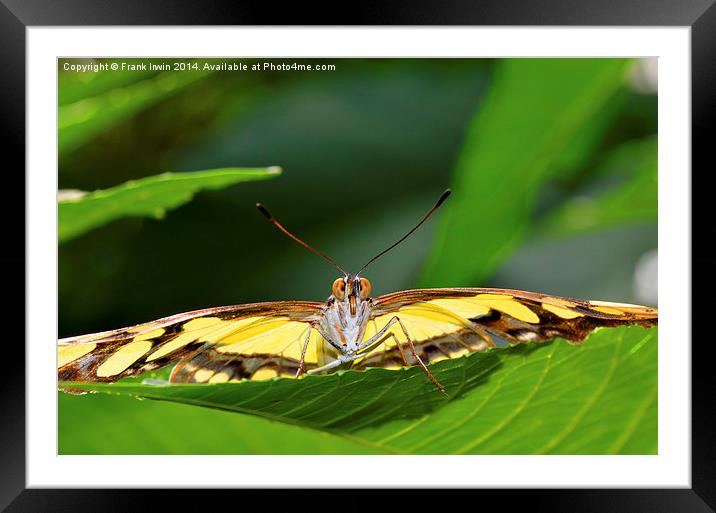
(350, 329)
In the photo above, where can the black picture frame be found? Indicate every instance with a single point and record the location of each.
(17, 15)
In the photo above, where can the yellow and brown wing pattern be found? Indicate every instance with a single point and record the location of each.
(253, 341)
(446, 323)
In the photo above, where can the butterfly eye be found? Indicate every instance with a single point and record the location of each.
(339, 289)
(365, 288)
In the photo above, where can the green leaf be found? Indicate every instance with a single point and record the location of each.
(113, 424)
(535, 110)
(556, 398)
(633, 198)
(79, 212)
(80, 121)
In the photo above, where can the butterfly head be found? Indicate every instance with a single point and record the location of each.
(352, 290)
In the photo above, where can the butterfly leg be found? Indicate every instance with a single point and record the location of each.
(303, 352)
(381, 337)
(400, 349)
(397, 343)
(332, 365)
(415, 354)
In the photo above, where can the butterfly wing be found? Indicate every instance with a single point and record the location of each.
(253, 341)
(445, 323)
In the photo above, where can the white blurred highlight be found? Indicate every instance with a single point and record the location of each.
(643, 76)
(646, 282)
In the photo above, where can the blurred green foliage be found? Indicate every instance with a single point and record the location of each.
(553, 164)
(79, 212)
(88, 110)
(614, 197)
(513, 147)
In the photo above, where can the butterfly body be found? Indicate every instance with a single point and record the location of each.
(346, 315)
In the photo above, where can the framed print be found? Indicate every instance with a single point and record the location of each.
(375, 320)
(255, 251)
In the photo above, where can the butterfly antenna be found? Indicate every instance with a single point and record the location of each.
(439, 202)
(278, 225)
